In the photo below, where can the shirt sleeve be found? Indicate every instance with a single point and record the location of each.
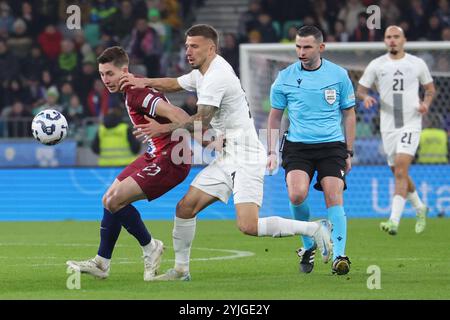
(278, 99)
(187, 81)
(213, 89)
(146, 100)
(424, 76)
(347, 93)
(369, 75)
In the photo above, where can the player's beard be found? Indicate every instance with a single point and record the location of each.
(394, 52)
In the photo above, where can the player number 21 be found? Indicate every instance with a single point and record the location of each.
(406, 138)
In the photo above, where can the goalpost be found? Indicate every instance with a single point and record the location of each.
(260, 64)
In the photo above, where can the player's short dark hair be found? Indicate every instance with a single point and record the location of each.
(204, 30)
(115, 55)
(307, 31)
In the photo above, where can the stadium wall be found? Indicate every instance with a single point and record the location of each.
(75, 193)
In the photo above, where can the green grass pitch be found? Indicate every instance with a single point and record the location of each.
(226, 264)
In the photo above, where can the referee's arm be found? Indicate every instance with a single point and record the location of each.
(350, 130)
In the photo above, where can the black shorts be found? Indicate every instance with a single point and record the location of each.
(327, 158)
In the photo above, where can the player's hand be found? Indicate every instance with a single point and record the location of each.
(369, 102)
(348, 164)
(148, 130)
(272, 163)
(423, 108)
(128, 79)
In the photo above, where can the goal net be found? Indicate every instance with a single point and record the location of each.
(260, 64)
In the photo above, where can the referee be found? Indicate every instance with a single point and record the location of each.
(317, 94)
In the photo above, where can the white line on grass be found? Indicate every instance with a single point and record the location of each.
(233, 254)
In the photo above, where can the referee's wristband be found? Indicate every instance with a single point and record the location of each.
(350, 153)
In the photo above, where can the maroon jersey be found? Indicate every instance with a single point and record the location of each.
(140, 102)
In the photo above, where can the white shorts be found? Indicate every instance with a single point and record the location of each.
(400, 141)
(225, 176)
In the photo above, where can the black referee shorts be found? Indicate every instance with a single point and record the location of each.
(327, 158)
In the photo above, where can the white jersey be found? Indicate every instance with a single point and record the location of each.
(221, 88)
(397, 81)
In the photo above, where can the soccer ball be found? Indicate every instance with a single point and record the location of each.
(49, 127)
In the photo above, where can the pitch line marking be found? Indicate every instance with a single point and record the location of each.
(233, 254)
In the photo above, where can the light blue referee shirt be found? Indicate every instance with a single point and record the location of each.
(314, 100)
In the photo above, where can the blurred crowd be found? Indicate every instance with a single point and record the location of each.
(44, 64)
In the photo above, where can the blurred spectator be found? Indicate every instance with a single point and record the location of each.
(145, 47)
(389, 12)
(34, 63)
(417, 16)
(249, 20)
(51, 101)
(114, 142)
(230, 51)
(340, 32)
(443, 12)
(254, 36)
(433, 145)
(101, 10)
(362, 33)
(6, 17)
(291, 34)
(121, 22)
(266, 29)
(50, 41)
(434, 29)
(74, 112)
(18, 127)
(85, 80)
(36, 92)
(68, 60)
(46, 79)
(98, 100)
(321, 16)
(29, 17)
(9, 64)
(15, 91)
(46, 11)
(190, 104)
(349, 13)
(66, 94)
(161, 28)
(19, 42)
(170, 12)
(445, 34)
(81, 45)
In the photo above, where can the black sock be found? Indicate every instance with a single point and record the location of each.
(109, 232)
(131, 220)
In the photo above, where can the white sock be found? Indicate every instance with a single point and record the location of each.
(398, 204)
(148, 249)
(103, 263)
(183, 235)
(280, 227)
(413, 197)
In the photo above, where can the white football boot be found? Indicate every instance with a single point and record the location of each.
(152, 260)
(90, 266)
(322, 238)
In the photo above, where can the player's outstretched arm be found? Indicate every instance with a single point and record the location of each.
(200, 120)
(160, 84)
(363, 94)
